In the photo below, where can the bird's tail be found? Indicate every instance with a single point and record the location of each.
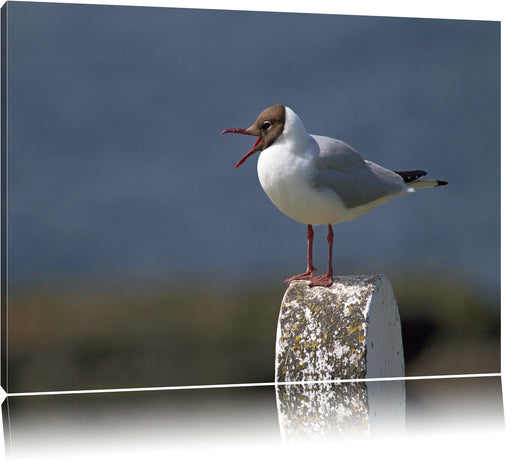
(422, 184)
(410, 178)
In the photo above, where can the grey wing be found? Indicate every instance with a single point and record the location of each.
(336, 154)
(356, 181)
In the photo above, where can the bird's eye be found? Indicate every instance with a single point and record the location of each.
(266, 125)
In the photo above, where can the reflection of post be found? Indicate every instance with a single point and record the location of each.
(348, 331)
(313, 410)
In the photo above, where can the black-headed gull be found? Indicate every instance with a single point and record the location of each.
(318, 180)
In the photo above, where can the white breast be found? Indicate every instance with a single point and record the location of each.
(285, 178)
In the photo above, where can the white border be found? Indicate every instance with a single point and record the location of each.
(446, 9)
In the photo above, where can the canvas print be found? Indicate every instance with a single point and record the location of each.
(134, 254)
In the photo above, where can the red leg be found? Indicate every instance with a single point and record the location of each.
(310, 268)
(326, 279)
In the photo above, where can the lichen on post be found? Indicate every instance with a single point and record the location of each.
(350, 330)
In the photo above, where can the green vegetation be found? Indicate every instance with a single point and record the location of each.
(117, 336)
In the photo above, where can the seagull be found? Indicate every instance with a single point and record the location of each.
(318, 180)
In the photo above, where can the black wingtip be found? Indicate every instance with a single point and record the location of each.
(411, 175)
(441, 182)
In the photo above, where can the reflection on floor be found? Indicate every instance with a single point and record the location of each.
(93, 424)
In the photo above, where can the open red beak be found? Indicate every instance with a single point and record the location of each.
(243, 131)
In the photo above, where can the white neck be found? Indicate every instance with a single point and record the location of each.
(294, 132)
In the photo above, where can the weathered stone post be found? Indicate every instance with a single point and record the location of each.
(348, 331)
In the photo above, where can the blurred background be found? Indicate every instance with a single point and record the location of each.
(138, 256)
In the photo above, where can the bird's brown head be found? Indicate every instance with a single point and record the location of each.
(268, 126)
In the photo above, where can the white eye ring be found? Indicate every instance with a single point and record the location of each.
(266, 125)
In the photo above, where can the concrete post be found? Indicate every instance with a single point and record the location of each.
(350, 330)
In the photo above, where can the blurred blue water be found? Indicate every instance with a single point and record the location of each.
(116, 166)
